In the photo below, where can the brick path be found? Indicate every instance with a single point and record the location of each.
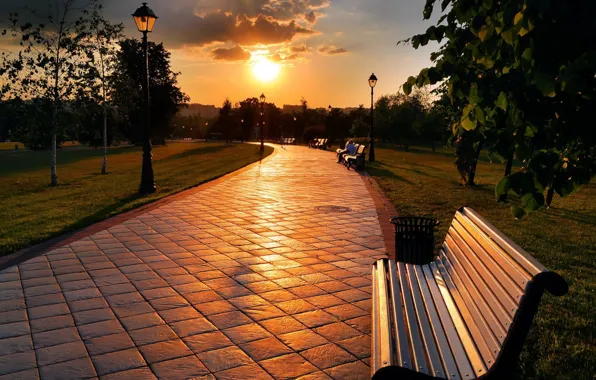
(245, 279)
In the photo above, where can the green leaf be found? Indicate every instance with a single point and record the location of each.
(508, 36)
(531, 202)
(502, 187)
(518, 17)
(468, 124)
(484, 32)
(545, 83)
(518, 212)
(529, 132)
(479, 114)
(502, 101)
(527, 55)
(407, 88)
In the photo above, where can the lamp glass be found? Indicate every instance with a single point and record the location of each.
(372, 80)
(262, 98)
(144, 18)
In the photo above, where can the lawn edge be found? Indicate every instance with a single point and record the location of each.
(38, 249)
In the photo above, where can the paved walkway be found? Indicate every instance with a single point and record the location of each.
(250, 278)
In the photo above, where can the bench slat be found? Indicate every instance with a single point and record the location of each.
(485, 340)
(434, 364)
(519, 275)
(496, 288)
(462, 281)
(402, 344)
(443, 333)
(418, 355)
(383, 347)
(486, 295)
(469, 360)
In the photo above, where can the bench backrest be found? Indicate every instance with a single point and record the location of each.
(487, 277)
(361, 149)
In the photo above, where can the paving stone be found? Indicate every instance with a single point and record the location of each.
(15, 345)
(345, 311)
(327, 356)
(202, 297)
(192, 327)
(358, 346)
(9, 330)
(143, 373)
(247, 372)
(265, 349)
(350, 371)
(302, 340)
(133, 309)
(179, 314)
(337, 331)
(48, 299)
(315, 376)
(207, 341)
(30, 374)
(167, 303)
(152, 335)
(188, 367)
(215, 307)
(90, 304)
(150, 294)
(51, 323)
(124, 299)
(55, 337)
(13, 304)
(60, 353)
(48, 311)
(326, 300)
(167, 350)
(109, 343)
(246, 333)
(282, 325)
(74, 369)
(141, 321)
(94, 330)
(287, 366)
(17, 362)
(230, 319)
(315, 318)
(224, 358)
(118, 361)
(92, 316)
(296, 306)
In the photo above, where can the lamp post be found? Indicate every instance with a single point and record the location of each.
(294, 128)
(241, 131)
(262, 98)
(145, 19)
(372, 82)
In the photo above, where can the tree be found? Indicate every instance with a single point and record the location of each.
(166, 95)
(51, 64)
(102, 40)
(225, 122)
(524, 79)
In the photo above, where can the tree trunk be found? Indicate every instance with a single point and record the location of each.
(104, 167)
(508, 166)
(53, 172)
(432, 146)
(472, 174)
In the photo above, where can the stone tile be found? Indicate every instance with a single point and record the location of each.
(60, 353)
(51, 323)
(82, 294)
(352, 295)
(30, 374)
(359, 346)
(13, 304)
(55, 337)
(124, 299)
(215, 307)
(15, 345)
(246, 333)
(92, 316)
(77, 285)
(282, 325)
(111, 290)
(288, 366)
(118, 361)
(95, 330)
(207, 342)
(48, 311)
(224, 358)
(265, 349)
(48, 299)
(296, 306)
(192, 327)
(167, 303)
(350, 371)
(90, 304)
(151, 294)
(302, 340)
(179, 314)
(162, 351)
(152, 335)
(17, 362)
(326, 300)
(279, 296)
(202, 297)
(74, 369)
(315, 318)
(345, 311)
(230, 319)
(361, 324)
(142, 373)
(133, 309)
(109, 343)
(247, 372)
(327, 356)
(141, 321)
(337, 331)
(9, 330)
(315, 376)
(188, 367)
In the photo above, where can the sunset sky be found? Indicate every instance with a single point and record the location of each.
(322, 50)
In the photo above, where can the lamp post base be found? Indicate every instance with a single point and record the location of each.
(147, 181)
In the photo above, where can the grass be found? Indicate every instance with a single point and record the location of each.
(32, 211)
(10, 145)
(561, 344)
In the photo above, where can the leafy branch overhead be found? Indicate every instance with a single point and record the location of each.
(522, 75)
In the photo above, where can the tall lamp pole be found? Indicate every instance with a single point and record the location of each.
(372, 82)
(145, 19)
(262, 98)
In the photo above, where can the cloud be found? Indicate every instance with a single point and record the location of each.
(283, 10)
(332, 50)
(235, 53)
(299, 48)
(310, 17)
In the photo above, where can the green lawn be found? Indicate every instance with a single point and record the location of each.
(10, 145)
(562, 342)
(32, 211)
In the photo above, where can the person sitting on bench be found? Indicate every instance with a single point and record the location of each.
(350, 150)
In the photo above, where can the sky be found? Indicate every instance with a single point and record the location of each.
(320, 50)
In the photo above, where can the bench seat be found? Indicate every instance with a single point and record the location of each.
(464, 315)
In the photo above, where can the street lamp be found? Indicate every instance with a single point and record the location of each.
(372, 82)
(241, 131)
(145, 19)
(262, 98)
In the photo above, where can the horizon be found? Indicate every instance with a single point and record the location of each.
(320, 50)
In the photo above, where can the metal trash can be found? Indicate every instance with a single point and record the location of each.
(414, 239)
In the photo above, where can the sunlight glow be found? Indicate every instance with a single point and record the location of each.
(265, 70)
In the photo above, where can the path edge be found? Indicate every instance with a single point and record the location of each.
(39, 249)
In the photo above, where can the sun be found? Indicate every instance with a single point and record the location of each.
(265, 70)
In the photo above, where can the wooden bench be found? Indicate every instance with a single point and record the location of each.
(358, 159)
(465, 315)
